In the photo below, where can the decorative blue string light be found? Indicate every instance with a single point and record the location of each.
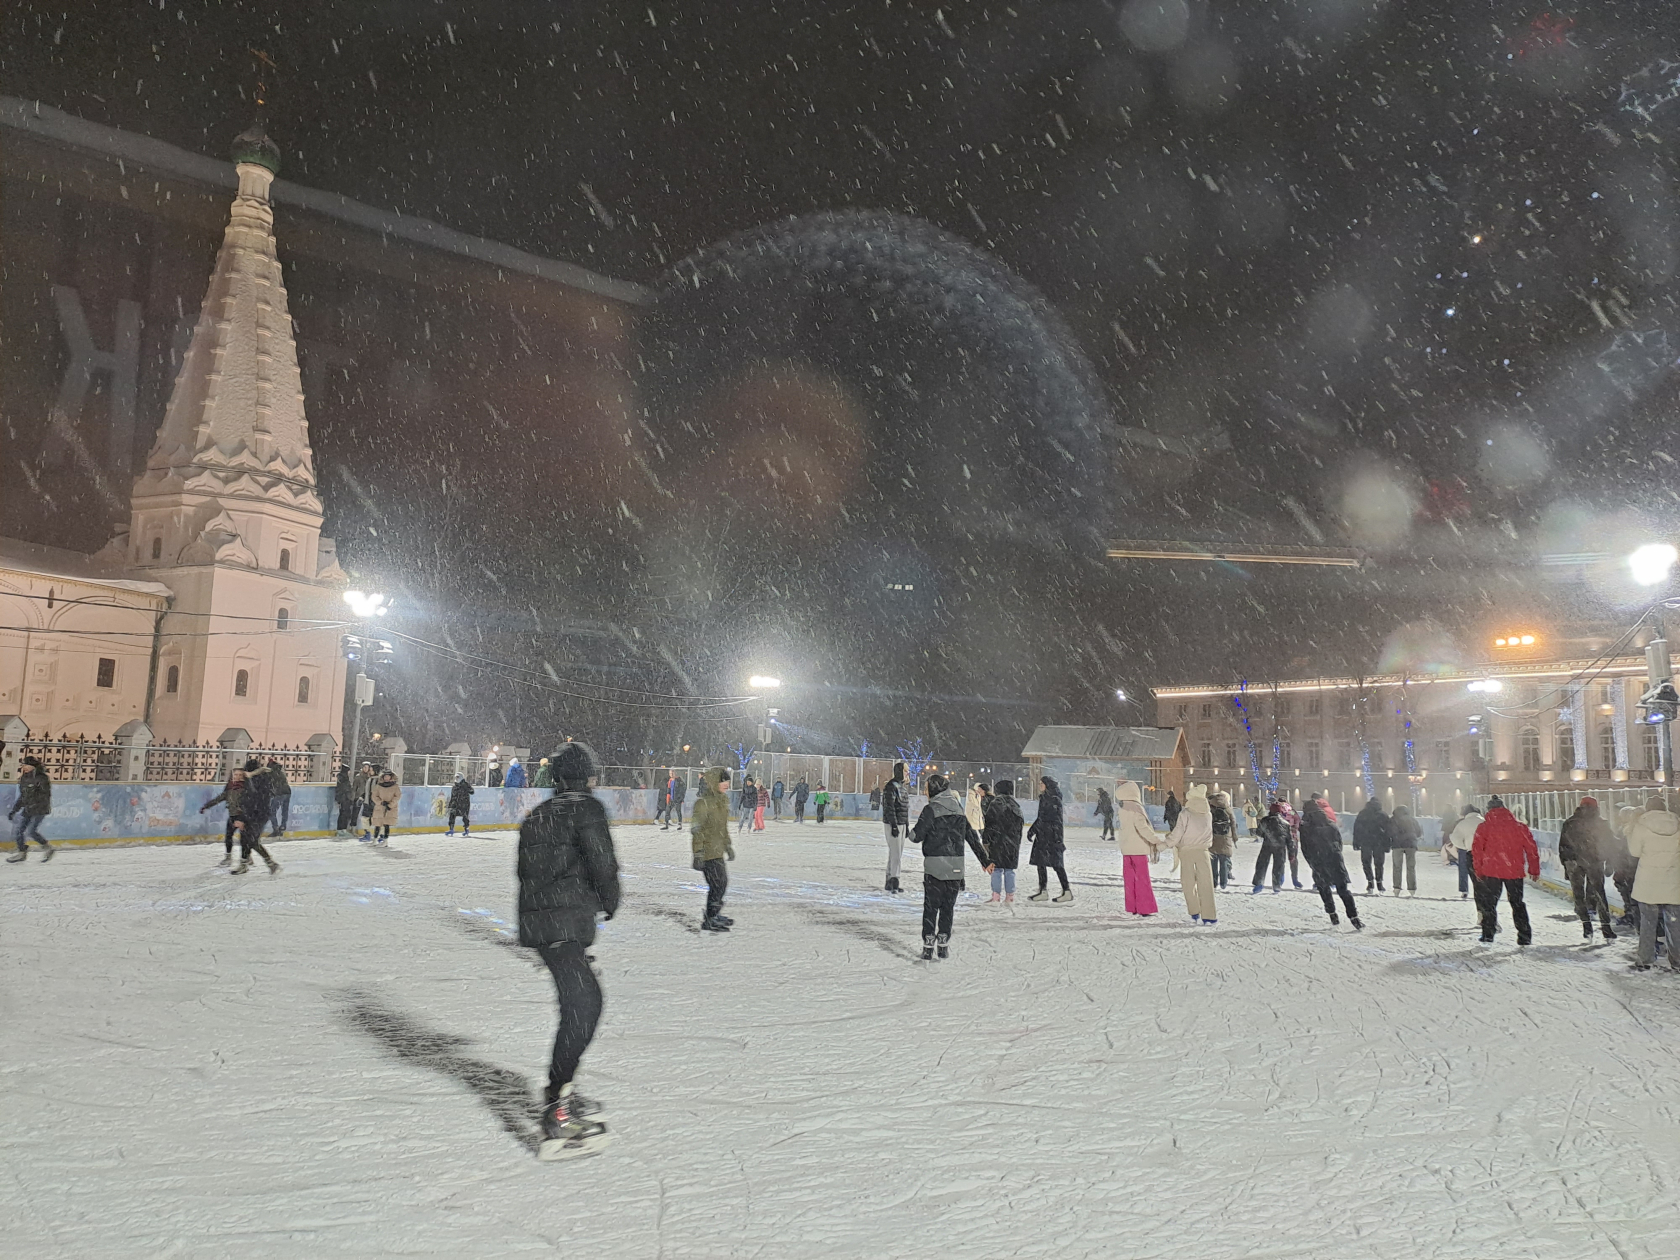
(1265, 786)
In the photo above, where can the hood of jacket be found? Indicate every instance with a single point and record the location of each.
(1659, 822)
(1127, 793)
(947, 802)
(710, 781)
(1196, 800)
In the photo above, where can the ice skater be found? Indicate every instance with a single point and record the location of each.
(1138, 843)
(1274, 848)
(941, 830)
(801, 793)
(749, 803)
(1224, 846)
(1404, 834)
(387, 797)
(1192, 838)
(344, 796)
(1105, 811)
(709, 827)
(568, 874)
(895, 820)
(1321, 845)
(1463, 837)
(1582, 843)
(460, 806)
(255, 808)
(1001, 813)
(1373, 836)
(1503, 847)
(34, 802)
(1049, 851)
(233, 791)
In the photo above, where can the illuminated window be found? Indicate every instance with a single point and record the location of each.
(1607, 745)
(303, 690)
(172, 680)
(1566, 747)
(242, 683)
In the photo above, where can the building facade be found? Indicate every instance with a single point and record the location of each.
(1525, 722)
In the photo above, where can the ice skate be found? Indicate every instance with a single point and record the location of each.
(227, 860)
(1256, 891)
(1335, 919)
(451, 831)
(46, 852)
(724, 919)
(1586, 929)
(713, 924)
(273, 866)
(1067, 895)
(927, 949)
(942, 946)
(20, 856)
(1609, 932)
(1209, 922)
(1043, 894)
(244, 865)
(1358, 926)
(566, 1134)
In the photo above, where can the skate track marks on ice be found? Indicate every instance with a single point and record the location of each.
(343, 1060)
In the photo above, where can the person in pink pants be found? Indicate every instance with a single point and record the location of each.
(1138, 844)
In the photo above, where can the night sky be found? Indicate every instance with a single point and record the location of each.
(1398, 275)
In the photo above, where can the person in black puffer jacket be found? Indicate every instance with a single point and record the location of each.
(1274, 848)
(460, 806)
(1321, 845)
(1002, 837)
(1582, 845)
(895, 822)
(1048, 848)
(1404, 834)
(252, 812)
(568, 874)
(941, 831)
(1373, 837)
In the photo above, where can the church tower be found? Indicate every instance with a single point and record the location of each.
(226, 511)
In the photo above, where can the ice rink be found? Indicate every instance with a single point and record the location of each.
(343, 1060)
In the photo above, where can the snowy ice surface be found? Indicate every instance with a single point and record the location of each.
(341, 1061)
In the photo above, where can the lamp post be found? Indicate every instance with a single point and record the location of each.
(1651, 566)
(366, 606)
(763, 684)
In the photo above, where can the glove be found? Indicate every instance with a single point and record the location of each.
(730, 853)
(893, 831)
(699, 864)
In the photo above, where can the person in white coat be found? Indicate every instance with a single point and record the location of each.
(1654, 839)
(1138, 843)
(1463, 838)
(974, 808)
(1192, 838)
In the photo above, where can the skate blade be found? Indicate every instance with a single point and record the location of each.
(553, 1150)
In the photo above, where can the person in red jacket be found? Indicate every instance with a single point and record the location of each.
(1502, 849)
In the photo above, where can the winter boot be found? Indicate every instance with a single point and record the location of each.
(1586, 929)
(566, 1134)
(1209, 922)
(927, 948)
(1256, 891)
(465, 831)
(227, 860)
(273, 866)
(450, 832)
(713, 924)
(942, 945)
(22, 855)
(1609, 932)
(1357, 925)
(1043, 894)
(1525, 940)
(244, 865)
(1067, 895)
(1335, 919)
(725, 920)
(46, 852)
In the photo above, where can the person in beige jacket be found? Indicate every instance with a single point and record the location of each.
(387, 795)
(1138, 843)
(1192, 837)
(1654, 839)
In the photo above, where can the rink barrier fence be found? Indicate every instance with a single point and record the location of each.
(91, 814)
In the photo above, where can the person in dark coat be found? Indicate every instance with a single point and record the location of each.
(679, 794)
(230, 795)
(1321, 845)
(1373, 838)
(778, 790)
(344, 797)
(1582, 844)
(495, 778)
(1404, 834)
(749, 802)
(34, 802)
(568, 874)
(895, 822)
(801, 793)
(460, 805)
(1048, 849)
(251, 814)
(941, 830)
(280, 803)
(1274, 848)
(1171, 810)
(1623, 866)
(1105, 811)
(1002, 837)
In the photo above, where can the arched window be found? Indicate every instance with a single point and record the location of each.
(282, 617)
(1566, 747)
(1529, 742)
(1607, 745)
(157, 549)
(172, 680)
(303, 689)
(242, 683)
(285, 559)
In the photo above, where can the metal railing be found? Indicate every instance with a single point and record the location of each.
(96, 759)
(1548, 809)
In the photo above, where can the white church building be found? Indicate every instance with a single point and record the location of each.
(216, 617)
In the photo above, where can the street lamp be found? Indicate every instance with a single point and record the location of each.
(763, 682)
(1651, 563)
(365, 605)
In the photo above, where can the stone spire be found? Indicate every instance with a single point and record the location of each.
(235, 426)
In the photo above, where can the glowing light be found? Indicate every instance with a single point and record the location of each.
(1651, 563)
(762, 682)
(1485, 684)
(367, 603)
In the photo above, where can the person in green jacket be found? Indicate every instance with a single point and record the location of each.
(545, 775)
(821, 801)
(710, 828)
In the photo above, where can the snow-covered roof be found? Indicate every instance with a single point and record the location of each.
(75, 566)
(45, 122)
(1112, 743)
